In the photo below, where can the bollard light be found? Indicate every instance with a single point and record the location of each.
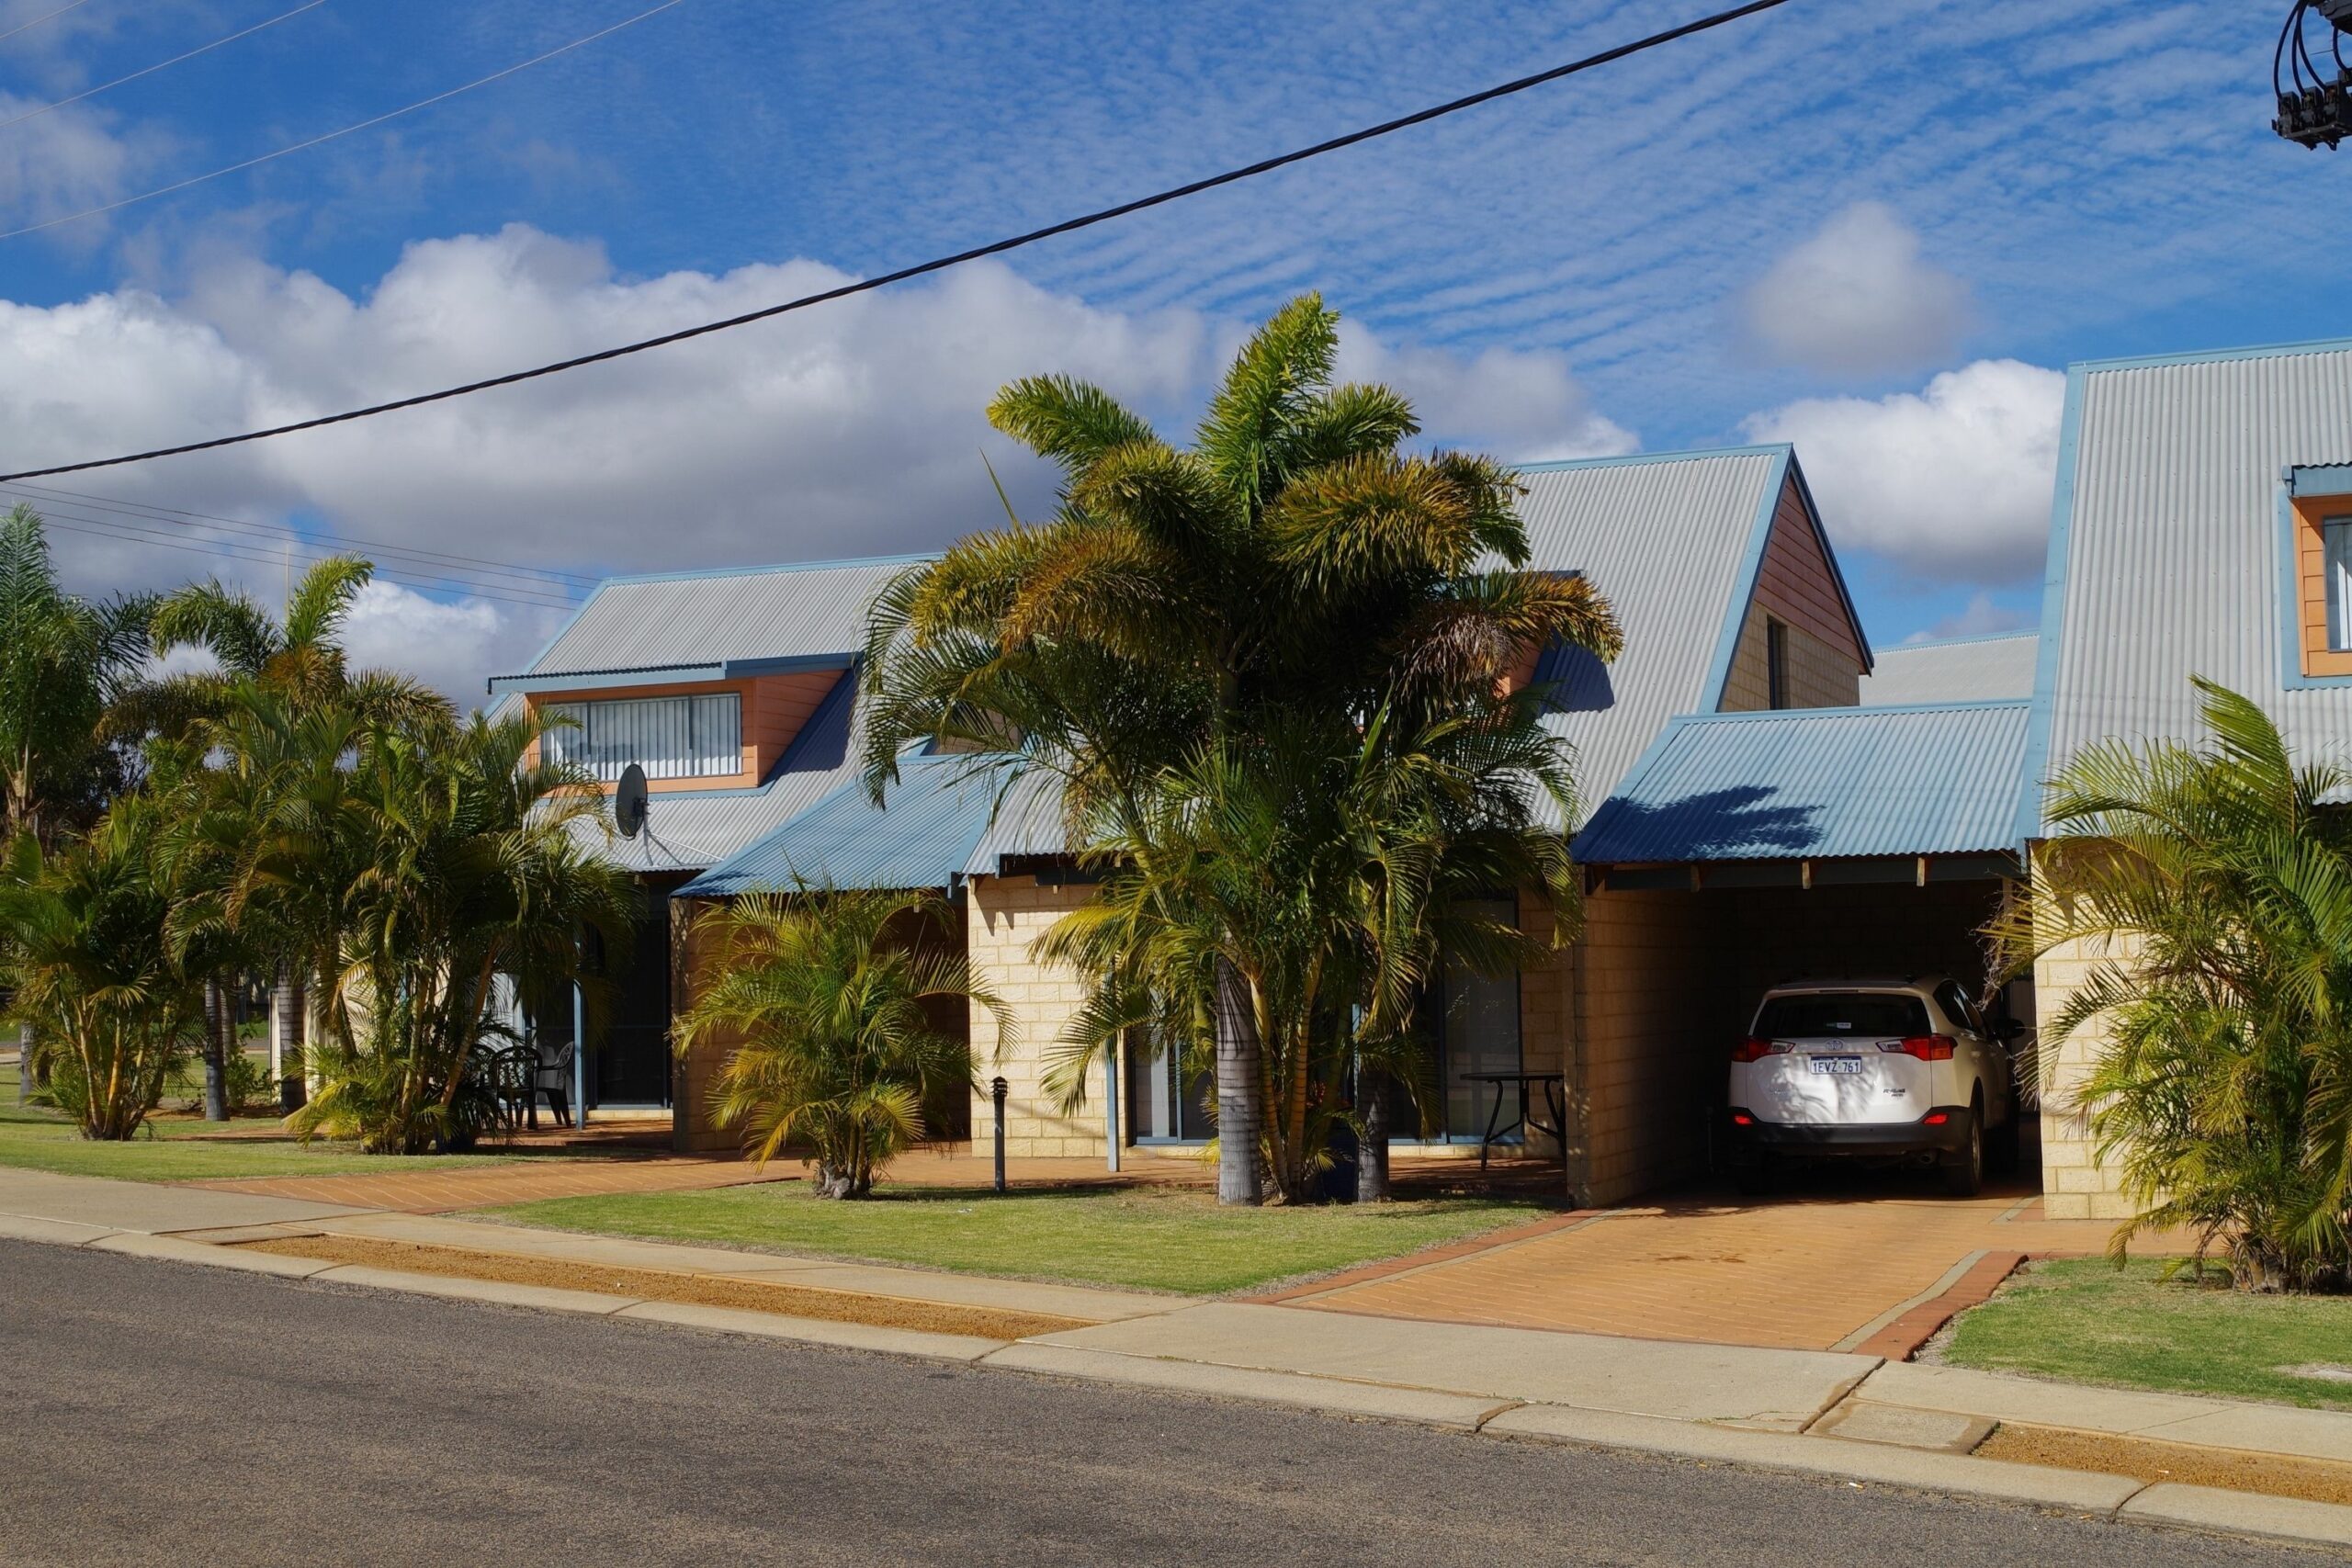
(998, 1090)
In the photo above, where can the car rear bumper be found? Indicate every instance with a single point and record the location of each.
(1853, 1139)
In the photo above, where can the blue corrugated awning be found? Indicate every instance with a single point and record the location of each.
(1935, 779)
(921, 839)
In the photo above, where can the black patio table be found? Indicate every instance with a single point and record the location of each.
(1556, 1098)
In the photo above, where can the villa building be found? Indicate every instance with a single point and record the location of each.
(1768, 796)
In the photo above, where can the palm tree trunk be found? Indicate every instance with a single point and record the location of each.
(24, 1064)
(286, 1032)
(217, 1027)
(1240, 1091)
(1372, 1146)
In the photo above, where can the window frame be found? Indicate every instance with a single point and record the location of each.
(2308, 655)
(579, 704)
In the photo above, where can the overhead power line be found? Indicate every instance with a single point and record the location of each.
(940, 264)
(229, 536)
(162, 64)
(256, 552)
(368, 124)
(46, 494)
(44, 16)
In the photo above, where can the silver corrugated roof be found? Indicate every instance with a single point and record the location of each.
(782, 612)
(1673, 542)
(920, 837)
(2168, 551)
(1819, 784)
(1954, 670)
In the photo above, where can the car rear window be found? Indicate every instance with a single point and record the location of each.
(1830, 1014)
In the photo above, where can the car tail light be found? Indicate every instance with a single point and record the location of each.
(1754, 1050)
(1935, 1118)
(1928, 1047)
(1741, 1119)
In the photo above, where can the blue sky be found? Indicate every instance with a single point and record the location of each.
(1877, 230)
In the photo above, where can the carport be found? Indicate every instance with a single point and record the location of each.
(1748, 849)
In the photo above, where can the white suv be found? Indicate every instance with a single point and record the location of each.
(1903, 1070)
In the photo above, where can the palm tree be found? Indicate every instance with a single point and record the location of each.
(828, 998)
(1316, 878)
(299, 657)
(62, 659)
(2216, 882)
(88, 959)
(1294, 559)
(457, 862)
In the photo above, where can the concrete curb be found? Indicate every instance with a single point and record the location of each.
(1424, 1407)
(2242, 1513)
(545, 1297)
(2075, 1490)
(54, 1233)
(175, 1250)
(965, 1348)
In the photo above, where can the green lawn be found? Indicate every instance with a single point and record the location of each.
(176, 1148)
(2080, 1320)
(1150, 1239)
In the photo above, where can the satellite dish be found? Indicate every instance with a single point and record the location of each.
(629, 802)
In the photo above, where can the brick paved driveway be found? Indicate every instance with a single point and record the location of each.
(1825, 1268)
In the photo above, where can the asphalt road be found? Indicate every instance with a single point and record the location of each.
(158, 1413)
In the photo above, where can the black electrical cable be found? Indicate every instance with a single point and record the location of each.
(45, 495)
(940, 264)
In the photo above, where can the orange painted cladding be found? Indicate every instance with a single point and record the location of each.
(1796, 584)
(773, 709)
(2310, 572)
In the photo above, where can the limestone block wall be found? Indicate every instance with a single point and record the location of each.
(1546, 1021)
(1652, 1010)
(2075, 1185)
(1004, 916)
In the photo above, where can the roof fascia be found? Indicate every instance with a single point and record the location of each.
(844, 564)
(2214, 355)
(1688, 455)
(1751, 570)
(2319, 479)
(2040, 723)
(1861, 710)
(1836, 572)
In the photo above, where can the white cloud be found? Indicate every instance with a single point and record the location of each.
(1983, 617)
(1857, 298)
(452, 648)
(1524, 407)
(856, 428)
(1950, 483)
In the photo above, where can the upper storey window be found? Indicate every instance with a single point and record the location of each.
(670, 737)
(2321, 503)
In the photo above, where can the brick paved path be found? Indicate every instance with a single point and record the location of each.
(1818, 1271)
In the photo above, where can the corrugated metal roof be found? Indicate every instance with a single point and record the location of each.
(1954, 670)
(782, 612)
(2169, 548)
(935, 817)
(1818, 782)
(1673, 542)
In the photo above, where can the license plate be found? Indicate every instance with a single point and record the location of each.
(1832, 1063)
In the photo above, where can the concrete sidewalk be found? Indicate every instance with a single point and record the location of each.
(1856, 1417)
